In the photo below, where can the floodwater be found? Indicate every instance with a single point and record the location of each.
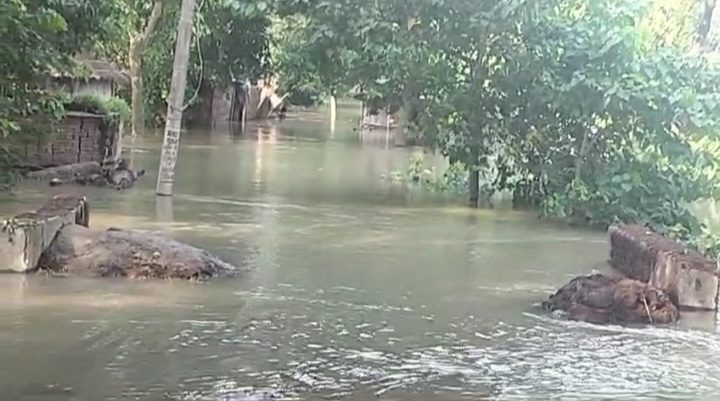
(360, 290)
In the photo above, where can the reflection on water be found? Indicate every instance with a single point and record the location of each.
(362, 291)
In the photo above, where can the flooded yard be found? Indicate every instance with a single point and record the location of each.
(361, 289)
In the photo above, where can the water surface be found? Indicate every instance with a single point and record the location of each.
(361, 290)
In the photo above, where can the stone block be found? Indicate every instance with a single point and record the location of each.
(687, 276)
(26, 236)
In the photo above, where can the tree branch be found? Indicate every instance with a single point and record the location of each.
(152, 21)
(705, 24)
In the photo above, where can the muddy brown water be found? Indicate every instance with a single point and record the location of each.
(361, 290)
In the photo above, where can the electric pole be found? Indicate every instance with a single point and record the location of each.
(176, 100)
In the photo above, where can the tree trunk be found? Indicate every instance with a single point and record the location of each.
(171, 141)
(474, 180)
(138, 43)
(704, 25)
(580, 158)
(474, 188)
(333, 112)
(405, 113)
(136, 85)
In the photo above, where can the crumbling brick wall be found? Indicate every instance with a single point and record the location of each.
(82, 137)
(686, 275)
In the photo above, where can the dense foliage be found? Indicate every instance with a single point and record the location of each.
(230, 43)
(38, 37)
(596, 111)
(111, 108)
(41, 37)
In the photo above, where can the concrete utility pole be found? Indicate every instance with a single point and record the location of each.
(171, 141)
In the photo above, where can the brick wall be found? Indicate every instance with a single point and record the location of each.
(79, 139)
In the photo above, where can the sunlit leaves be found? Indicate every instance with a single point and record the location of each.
(230, 42)
(39, 37)
(570, 102)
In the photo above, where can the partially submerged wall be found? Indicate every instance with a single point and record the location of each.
(641, 254)
(26, 236)
(380, 119)
(256, 102)
(82, 137)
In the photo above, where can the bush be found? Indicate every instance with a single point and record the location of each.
(110, 107)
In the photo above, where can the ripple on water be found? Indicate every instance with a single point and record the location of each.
(299, 344)
(319, 347)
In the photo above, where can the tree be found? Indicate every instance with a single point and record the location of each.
(704, 25)
(573, 106)
(230, 42)
(139, 38)
(321, 46)
(298, 76)
(39, 37)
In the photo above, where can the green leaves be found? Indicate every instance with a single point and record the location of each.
(113, 107)
(231, 41)
(38, 37)
(592, 110)
(568, 103)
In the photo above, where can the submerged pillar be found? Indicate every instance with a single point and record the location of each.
(688, 277)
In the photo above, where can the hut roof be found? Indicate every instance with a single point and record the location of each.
(95, 69)
(359, 90)
(356, 90)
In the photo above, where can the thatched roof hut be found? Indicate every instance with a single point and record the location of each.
(91, 76)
